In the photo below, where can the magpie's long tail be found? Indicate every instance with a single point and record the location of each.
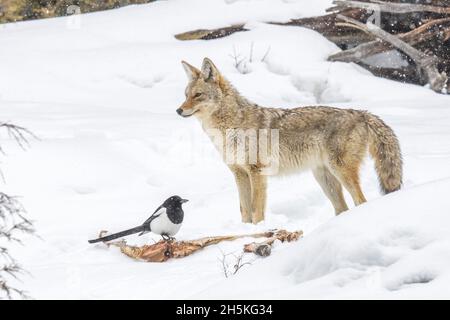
(118, 235)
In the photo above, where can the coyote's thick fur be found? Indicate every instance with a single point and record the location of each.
(332, 142)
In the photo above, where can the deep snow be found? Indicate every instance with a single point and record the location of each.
(101, 94)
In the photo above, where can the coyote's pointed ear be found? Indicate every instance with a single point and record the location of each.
(191, 71)
(209, 71)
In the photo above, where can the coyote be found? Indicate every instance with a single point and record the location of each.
(332, 142)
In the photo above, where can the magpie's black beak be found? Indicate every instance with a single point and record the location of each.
(184, 200)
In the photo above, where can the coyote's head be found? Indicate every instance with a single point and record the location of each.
(205, 89)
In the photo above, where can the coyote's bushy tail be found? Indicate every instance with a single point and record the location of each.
(385, 150)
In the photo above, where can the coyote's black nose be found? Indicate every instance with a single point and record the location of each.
(179, 111)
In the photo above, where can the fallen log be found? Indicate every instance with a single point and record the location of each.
(406, 15)
(326, 25)
(391, 7)
(426, 65)
(439, 28)
(403, 74)
(165, 250)
(209, 34)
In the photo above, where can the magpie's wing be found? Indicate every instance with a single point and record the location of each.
(155, 214)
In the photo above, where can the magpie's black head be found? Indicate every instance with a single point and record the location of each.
(174, 201)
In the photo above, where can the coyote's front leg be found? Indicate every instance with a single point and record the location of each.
(259, 186)
(245, 193)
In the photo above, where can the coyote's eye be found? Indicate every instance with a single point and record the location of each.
(198, 95)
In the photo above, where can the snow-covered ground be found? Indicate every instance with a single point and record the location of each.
(101, 93)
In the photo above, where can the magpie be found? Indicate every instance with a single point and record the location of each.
(165, 221)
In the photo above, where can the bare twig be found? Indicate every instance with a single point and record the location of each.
(11, 269)
(12, 223)
(251, 52)
(240, 62)
(265, 54)
(10, 292)
(224, 264)
(237, 264)
(240, 263)
(237, 58)
(20, 134)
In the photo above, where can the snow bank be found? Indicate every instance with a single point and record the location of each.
(392, 247)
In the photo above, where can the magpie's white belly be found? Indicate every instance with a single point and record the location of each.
(163, 225)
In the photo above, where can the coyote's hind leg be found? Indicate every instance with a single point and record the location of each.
(331, 187)
(349, 177)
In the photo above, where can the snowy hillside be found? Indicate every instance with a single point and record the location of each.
(101, 94)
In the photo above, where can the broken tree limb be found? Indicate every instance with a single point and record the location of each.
(326, 25)
(426, 65)
(205, 34)
(165, 250)
(403, 74)
(438, 28)
(391, 7)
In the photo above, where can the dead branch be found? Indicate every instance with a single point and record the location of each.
(209, 34)
(10, 292)
(391, 7)
(438, 28)
(406, 74)
(19, 134)
(426, 65)
(164, 250)
(13, 219)
(326, 25)
(12, 223)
